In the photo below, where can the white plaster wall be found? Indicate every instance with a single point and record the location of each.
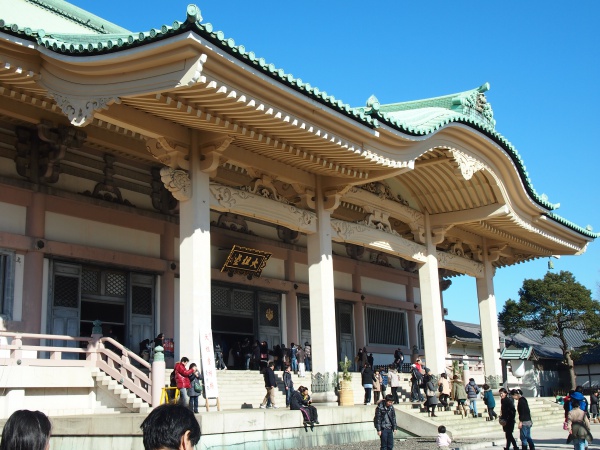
(275, 268)
(301, 272)
(12, 218)
(417, 295)
(7, 167)
(17, 314)
(383, 288)
(94, 234)
(342, 280)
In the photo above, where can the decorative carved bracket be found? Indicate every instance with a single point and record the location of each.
(495, 252)
(264, 187)
(437, 234)
(466, 165)
(377, 219)
(39, 154)
(177, 182)
(212, 152)
(80, 110)
(168, 153)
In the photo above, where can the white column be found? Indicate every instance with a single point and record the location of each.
(488, 318)
(322, 298)
(434, 327)
(194, 308)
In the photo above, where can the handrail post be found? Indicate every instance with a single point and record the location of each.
(158, 375)
(17, 353)
(95, 344)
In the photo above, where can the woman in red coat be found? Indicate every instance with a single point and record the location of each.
(182, 374)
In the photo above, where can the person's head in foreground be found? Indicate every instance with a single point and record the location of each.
(389, 400)
(26, 430)
(170, 427)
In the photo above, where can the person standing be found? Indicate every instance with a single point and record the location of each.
(288, 383)
(579, 426)
(398, 359)
(220, 364)
(367, 381)
(525, 422)
(472, 394)
(270, 385)
(416, 380)
(490, 401)
(386, 422)
(293, 357)
(182, 380)
(193, 394)
(394, 382)
(300, 356)
(507, 418)
(377, 382)
(307, 356)
(444, 389)
(594, 405)
(431, 394)
(459, 395)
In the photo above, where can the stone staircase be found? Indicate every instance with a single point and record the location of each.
(126, 401)
(544, 411)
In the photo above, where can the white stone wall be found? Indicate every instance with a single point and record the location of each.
(12, 218)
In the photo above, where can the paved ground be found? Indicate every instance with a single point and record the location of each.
(547, 438)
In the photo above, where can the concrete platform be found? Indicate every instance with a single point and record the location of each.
(252, 429)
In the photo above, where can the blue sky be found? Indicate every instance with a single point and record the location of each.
(540, 57)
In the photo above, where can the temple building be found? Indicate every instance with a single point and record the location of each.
(169, 180)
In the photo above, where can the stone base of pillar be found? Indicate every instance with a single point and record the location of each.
(325, 398)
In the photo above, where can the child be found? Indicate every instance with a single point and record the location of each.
(490, 402)
(443, 441)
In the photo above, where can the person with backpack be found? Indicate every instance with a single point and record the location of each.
(195, 388)
(578, 396)
(472, 391)
(416, 381)
(367, 378)
(385, 422)
(459, 395)
(490, 401)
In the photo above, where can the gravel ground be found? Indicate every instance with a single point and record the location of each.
(399, 444)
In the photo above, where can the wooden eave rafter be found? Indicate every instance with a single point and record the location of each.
(169, 87)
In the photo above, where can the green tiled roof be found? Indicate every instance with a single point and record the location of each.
(417, 118)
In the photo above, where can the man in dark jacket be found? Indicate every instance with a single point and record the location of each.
(416, 380)
(288, 383)
(385, 422)
(270, 385)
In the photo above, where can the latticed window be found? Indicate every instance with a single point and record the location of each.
(116, 284)
(243, 301)
(6, 283)
(90, 281)
(66, 291)
(141, 300)
(345, 322)
(304, 318)
(269, 314)
(220, 298)
(386, 326)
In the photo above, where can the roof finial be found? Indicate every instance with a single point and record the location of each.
(193, 14)
(372, 102)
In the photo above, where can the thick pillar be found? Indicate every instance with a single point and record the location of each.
(194, 307)
(322, 302)
(35, 227)
(434, 328)
(167, 282)
(411, 318)
(488, 318)
(291, 303)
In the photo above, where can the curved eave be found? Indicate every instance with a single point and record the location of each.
(272, 133)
